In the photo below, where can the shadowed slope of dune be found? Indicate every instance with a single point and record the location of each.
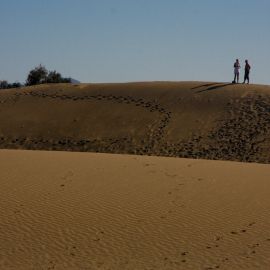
(62, 210)
(180, 119)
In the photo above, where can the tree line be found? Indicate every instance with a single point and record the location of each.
(38, 75)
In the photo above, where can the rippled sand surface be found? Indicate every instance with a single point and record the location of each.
(62, 210)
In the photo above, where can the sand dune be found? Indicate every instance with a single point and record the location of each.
(63, 210)
(71, 210)
(180, 119)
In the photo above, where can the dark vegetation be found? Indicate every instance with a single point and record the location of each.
(38, 75)
(6, 85)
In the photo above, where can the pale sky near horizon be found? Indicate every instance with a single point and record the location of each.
(135, 40)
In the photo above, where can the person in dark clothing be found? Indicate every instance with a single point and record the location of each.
(247, 69)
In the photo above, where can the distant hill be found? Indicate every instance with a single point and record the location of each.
(74, 81)
(179, 119)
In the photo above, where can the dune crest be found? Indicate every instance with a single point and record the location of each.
(179, 119)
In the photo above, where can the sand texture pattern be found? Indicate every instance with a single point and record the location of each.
(176, 119)
(62, 210)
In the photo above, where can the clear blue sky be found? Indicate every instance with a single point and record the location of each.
(135, 40)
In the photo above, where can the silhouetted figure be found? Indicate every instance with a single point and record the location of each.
(247, 69)
(236, 71)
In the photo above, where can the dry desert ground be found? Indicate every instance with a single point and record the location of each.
(180, 119)
(158, 175)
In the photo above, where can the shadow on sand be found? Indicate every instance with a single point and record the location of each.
(205, 85)
(214, 87)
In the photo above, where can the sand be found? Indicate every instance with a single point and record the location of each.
(62, 210)
(177, 119)
(154, 209)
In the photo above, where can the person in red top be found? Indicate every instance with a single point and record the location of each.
(247, 69)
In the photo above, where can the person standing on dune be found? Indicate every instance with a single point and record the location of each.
(236, 71)
(247, 69)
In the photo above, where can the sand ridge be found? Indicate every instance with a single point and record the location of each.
(180, 119)
(62, 210)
